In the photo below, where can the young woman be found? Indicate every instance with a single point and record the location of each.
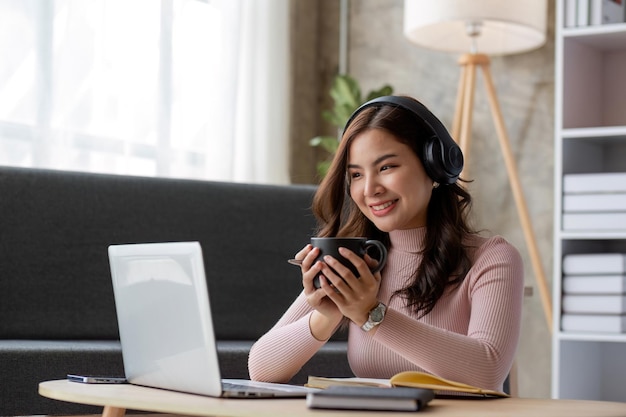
(447, 302)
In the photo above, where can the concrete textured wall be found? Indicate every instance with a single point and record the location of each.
(378, 53)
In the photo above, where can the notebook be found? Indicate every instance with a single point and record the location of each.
(165, 323)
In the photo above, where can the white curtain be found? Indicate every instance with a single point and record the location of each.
(256, 100)
(173, 88)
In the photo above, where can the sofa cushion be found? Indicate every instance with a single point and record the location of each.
(56, 226)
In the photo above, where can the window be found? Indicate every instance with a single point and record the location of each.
(141, 87)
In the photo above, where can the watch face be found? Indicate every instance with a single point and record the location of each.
(377, 314)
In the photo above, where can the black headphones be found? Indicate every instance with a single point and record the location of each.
(443, 159)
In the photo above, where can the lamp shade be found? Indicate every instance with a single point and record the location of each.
(504, 27)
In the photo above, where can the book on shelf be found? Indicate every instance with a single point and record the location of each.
(569, 16)
(597, 182)
(582, 12)
(594, 284)
(594, 263)
(594, 323)
(596, 202)
(411, 379)
(594, 304)
(603, 12)
(594, 222)
(370, 398)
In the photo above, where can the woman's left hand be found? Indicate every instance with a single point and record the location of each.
(354, 297)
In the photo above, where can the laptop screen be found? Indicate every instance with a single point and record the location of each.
(164, 317)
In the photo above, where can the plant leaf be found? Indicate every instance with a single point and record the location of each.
(386, 90)
(346, 91)
(322, 168)
(328, 143)
(346, 95)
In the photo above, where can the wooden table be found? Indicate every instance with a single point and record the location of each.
(117, 398)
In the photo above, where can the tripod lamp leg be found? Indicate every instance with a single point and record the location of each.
(518, 195)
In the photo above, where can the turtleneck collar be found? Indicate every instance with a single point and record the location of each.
(410, 240)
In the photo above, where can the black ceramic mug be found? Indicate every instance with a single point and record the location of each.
(359, 245)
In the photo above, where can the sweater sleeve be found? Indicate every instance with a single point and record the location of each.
(279, 354)
(484, 354)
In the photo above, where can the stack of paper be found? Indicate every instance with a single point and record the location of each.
(594, 292)
(594, 202)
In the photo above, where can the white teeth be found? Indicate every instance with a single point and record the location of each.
(383, 206)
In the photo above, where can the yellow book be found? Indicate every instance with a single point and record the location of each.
(440, 385)
(413, 379)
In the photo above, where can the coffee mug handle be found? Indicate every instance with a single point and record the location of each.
(382, 250)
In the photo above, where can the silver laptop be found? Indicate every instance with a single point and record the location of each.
(165, 323)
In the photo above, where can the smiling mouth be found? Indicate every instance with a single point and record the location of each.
(383, 205)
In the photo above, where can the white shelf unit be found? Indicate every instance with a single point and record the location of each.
(590, 136)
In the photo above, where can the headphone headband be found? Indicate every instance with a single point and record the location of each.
(443, 159)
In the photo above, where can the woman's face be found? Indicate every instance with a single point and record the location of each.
(388, 181)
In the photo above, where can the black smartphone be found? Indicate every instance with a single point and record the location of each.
(91, 379)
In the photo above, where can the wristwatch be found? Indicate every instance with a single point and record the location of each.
(376, 316)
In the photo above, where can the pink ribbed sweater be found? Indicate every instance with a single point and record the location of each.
(470, 336)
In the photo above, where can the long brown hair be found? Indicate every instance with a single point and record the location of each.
(445, 258)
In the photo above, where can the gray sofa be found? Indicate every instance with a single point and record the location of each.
(57, 313)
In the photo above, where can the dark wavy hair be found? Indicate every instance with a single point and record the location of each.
(445, 258)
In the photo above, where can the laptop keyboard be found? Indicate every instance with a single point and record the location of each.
(246, 388)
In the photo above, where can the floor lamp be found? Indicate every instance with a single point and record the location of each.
(493, 27)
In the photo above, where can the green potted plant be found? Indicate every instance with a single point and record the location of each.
(347, 97)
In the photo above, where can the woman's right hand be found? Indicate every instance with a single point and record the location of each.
(327, 316)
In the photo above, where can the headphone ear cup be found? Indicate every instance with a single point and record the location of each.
(444, 169)
(433, 161)
(454, 161)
